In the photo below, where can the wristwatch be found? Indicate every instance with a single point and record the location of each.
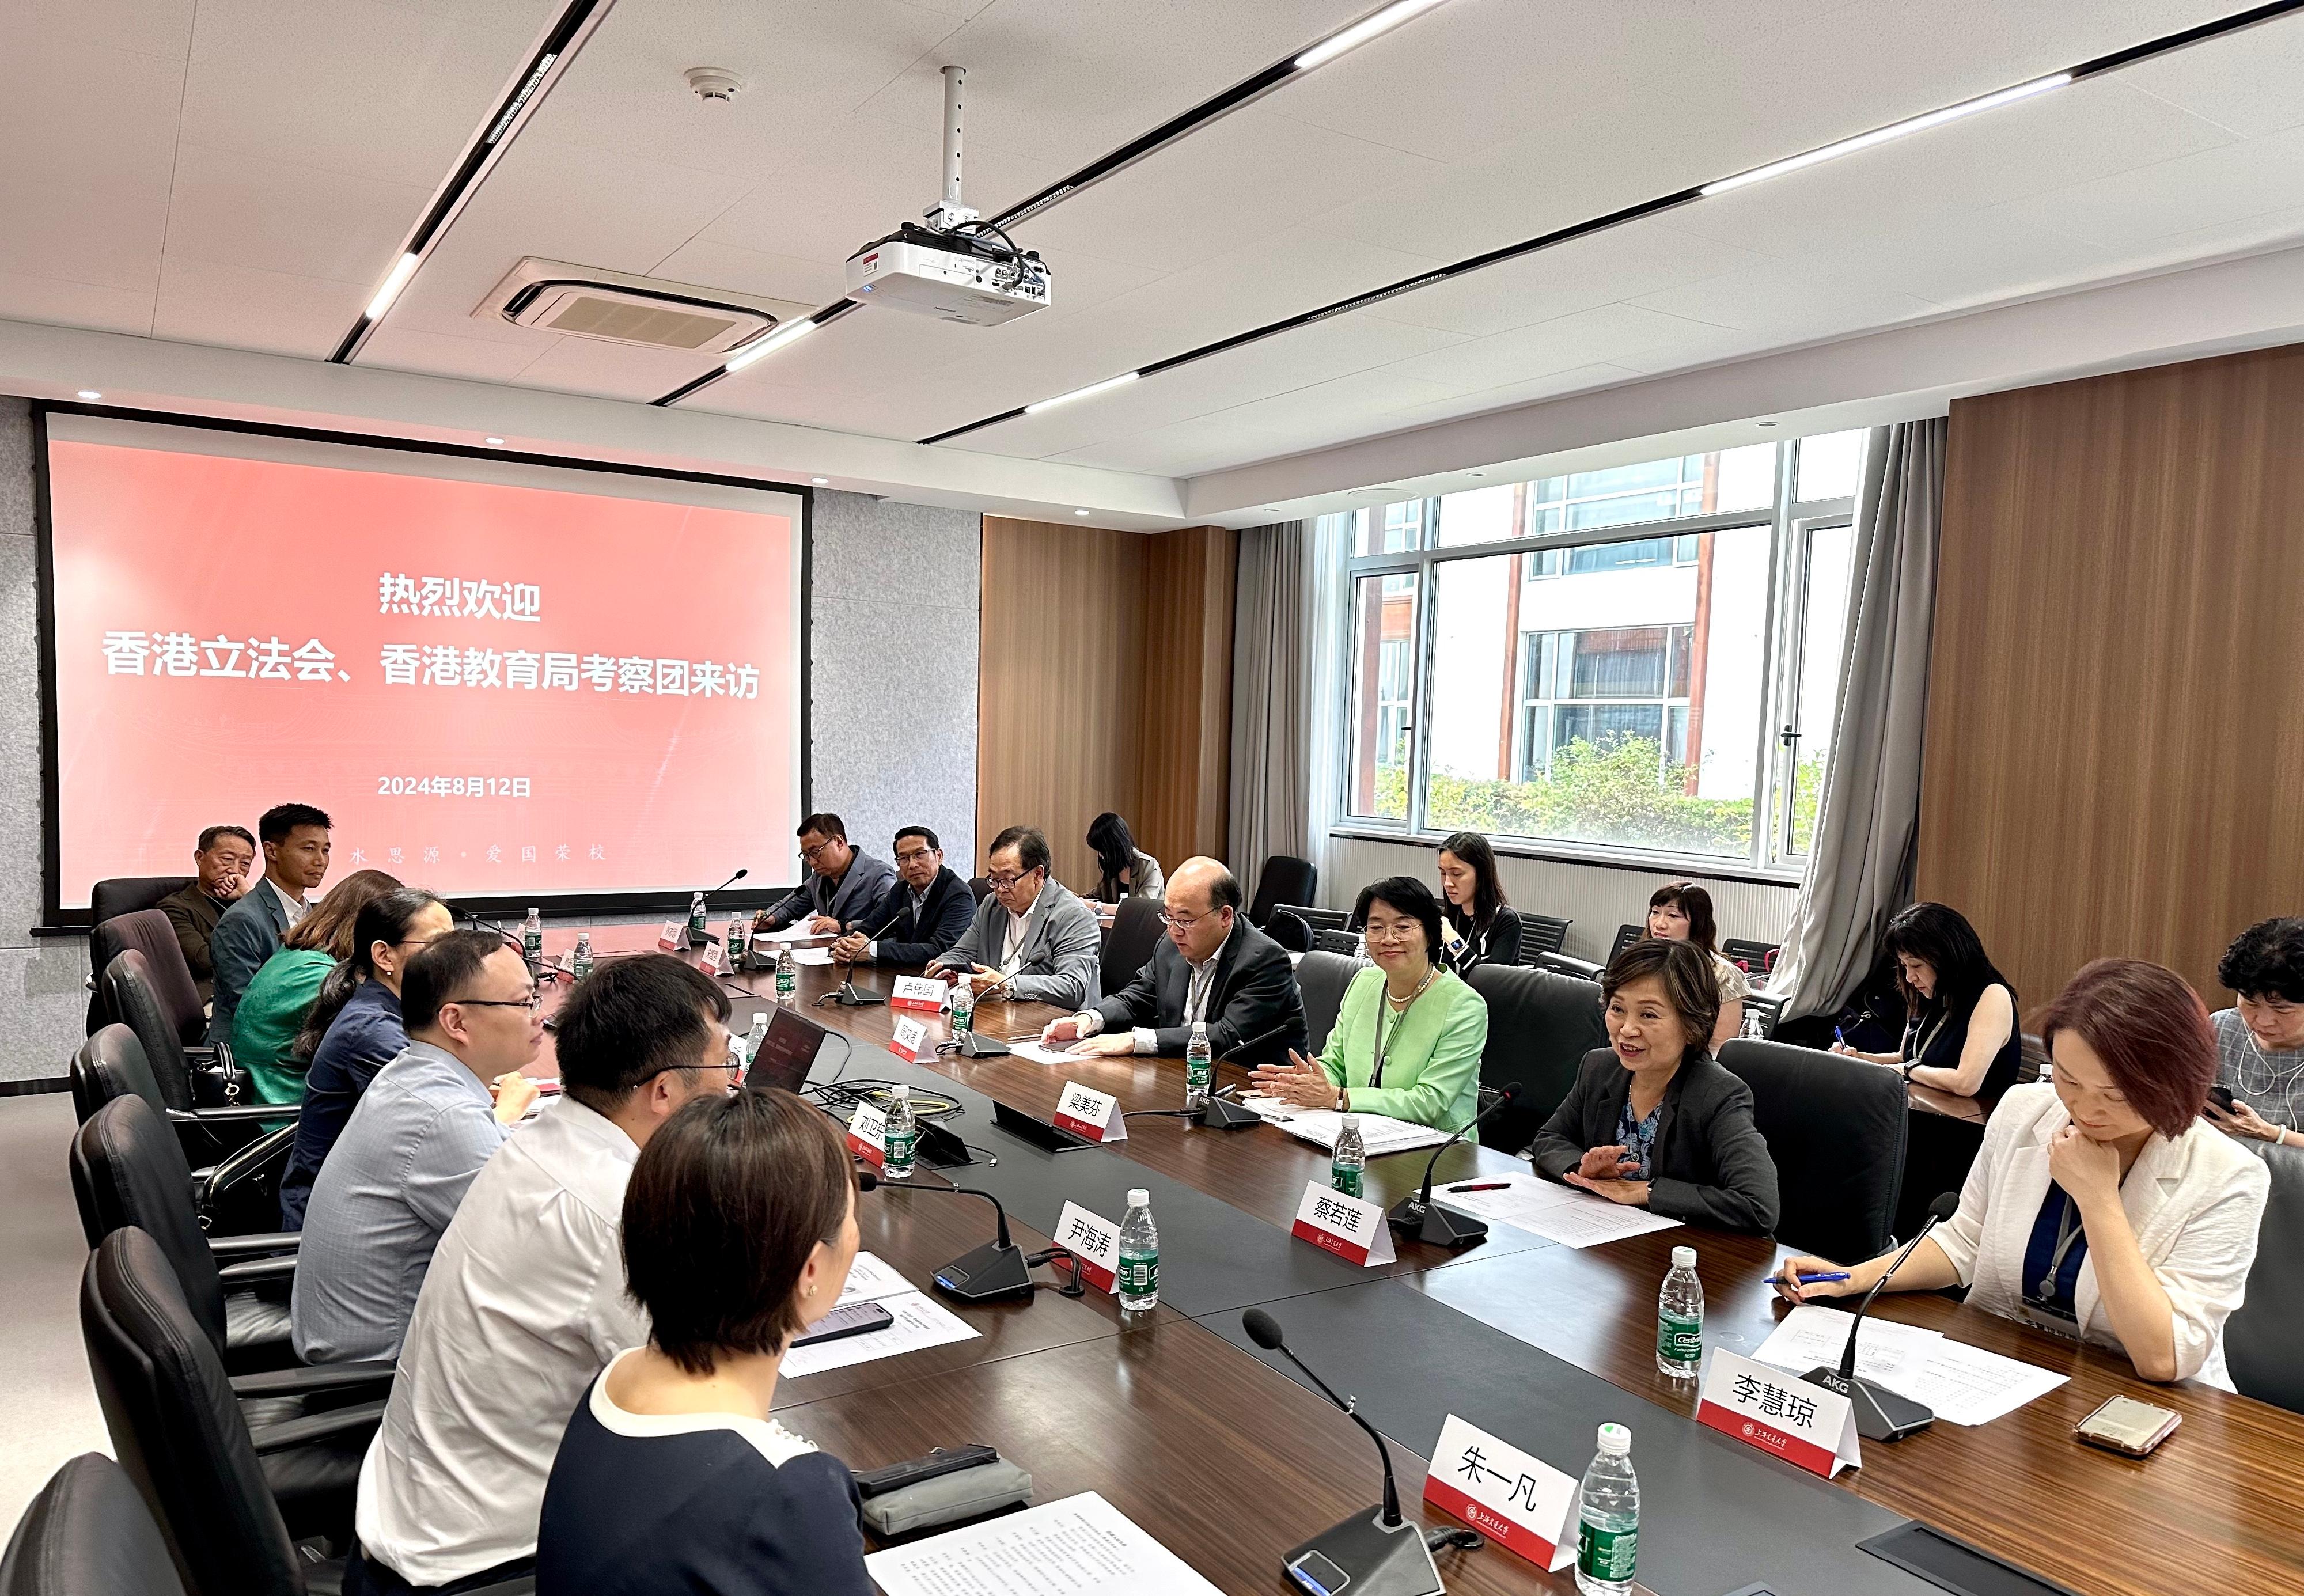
(1907, 1071)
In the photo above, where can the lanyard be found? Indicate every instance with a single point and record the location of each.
(1384, 1005)
(2068, 1231)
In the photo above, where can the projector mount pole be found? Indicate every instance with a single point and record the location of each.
(948, 212)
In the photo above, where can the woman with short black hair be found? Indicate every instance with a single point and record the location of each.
(1959, 1028)
(671, 1480)
(1681, 911)
(2260, 1042)
(1653, 1120)
(1482, 928)
(1127, 870)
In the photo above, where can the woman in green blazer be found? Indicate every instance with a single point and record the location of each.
(1407, 1040)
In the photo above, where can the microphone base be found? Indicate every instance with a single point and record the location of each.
(987, 1274)
(851, 996)
(1436, 1226)
(1367, 1557)
(691, 939)
(975, 1045)
(1217, 1114)
(1881, 1415)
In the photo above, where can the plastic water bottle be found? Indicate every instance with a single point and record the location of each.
(1351, 1159)
(734, 945)
(963, 1006)
(756, 1039)
(1139, 1284)
(532, 943)
(1751, 1027)
(1679, 1318)
(1199, 1066)
(899, 1136)
(1608, 1535)
(580, 963)
(696, 914)
(787, 980)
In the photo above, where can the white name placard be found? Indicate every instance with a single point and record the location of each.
(922, 993)
(1351, 1228)
(1521, 1503)
(1094, 1240)
(1804, 1425)
(1089, 1114)
(867, 1135)
(910, 1041)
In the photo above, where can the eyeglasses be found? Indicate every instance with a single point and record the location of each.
(533, 1001)
(1378, 931)
(809, 853)
(907, 856)
(1185, 922)
(1001, 884)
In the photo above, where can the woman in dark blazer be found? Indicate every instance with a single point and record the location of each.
(1482, 928)
(1653, 1120)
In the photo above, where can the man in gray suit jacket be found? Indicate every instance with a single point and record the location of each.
(842, 885)
(294, 838)
(1030, 929)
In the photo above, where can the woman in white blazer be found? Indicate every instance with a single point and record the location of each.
(2102, 1206)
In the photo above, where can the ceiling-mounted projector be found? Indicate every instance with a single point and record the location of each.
(957, 268)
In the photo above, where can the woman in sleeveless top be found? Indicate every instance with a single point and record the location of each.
(1960, 1034)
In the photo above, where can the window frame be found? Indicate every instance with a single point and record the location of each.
(1783, 642)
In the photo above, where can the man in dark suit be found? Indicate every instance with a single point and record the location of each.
(927, 911)
(1212, 966)
(225, 857)
(294, 838)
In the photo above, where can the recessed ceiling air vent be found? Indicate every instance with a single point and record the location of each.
(586, 302)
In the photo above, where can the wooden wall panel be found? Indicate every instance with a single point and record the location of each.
(1184, 778)
(2114, 760)
(1105, 682)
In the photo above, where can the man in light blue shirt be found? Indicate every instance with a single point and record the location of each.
(427, 1123)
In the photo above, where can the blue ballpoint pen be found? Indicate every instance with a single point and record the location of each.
(1822, 1279)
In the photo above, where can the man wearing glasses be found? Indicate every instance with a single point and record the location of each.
(1212, 966)
(842, 887)
(1031, 937)
(923, 914)
(418, 1135)
(524, 1303)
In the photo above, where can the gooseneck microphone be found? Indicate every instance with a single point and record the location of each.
(1381, 1554)
(995, 1270)
(1881, 1415)
(848, 995)
(1443, 1227)
(1217, 1114)
(691, 938)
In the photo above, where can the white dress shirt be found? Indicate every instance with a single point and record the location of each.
(294, 906)
(523, 1305)
(2195, 1203)
(1019, 928)
(1143, 1038)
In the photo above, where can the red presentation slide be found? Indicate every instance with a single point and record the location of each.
(492, 687)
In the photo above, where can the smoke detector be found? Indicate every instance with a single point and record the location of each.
(713, 85)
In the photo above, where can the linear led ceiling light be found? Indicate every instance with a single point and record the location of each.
(547, 61)
(760, 347)
(1110, 382)
(1916, 125)
(1383, 22)
(2167, 43)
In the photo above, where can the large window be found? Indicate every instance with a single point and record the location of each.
(1642, 659)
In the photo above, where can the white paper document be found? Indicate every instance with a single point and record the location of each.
(1082, 1546)
(1379, 1133)
(811, 955)
(870, 1280)
(1963, 1384)
(919, 1323)
(1026, 1047)
(1545, 1208)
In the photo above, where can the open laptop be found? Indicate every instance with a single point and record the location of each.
(787, 1054)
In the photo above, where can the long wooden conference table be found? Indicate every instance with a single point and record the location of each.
(1231, 1462)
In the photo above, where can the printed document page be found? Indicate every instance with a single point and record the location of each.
(1082, 1546)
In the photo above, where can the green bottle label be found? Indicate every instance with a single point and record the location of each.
(896, 1146)
(786, 979)
(1606, 1554)
(1198, 1072)
(582, 964)
(962, 1019)
(1347, 1181)
(1138, 1274)
(1680, 1338)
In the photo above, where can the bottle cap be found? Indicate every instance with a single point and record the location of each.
(1351, 1121)
(903, 1094)
(1616, 1440)
(1138, 1198)
(531, 908)
(1683, 1257)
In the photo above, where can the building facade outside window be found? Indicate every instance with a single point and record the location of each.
(1634, 662)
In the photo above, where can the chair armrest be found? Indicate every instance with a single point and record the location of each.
(307, 1378)
(1563, 964)
(238, 1113)
(255, 1247)
(254, 1271)
(319, 1426)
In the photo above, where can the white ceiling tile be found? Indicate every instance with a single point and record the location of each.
(609, 371)
(2252, 82)
(397, 346)
(1777, 297)
(1576, 379)
(1978, 258)
(53, 227)
(2183, 195)
(374, 90)
(1608, 332)
(162, 27)
(25, 298)
(714, 265)
(90, 133)
(1208, 444)
(270, 215)
(207, 301)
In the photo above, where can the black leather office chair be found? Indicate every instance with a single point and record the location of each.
(1540, 1027)
(1750, 956)
(125, 894)
(89, 1533)
(1282, 879)
(128, 1170)
(232, 1498)
(190, 1077)
(1836, 1129)
(1318, 919)
(1321, 978)
(236, 1164)
(148, 931)
(1626, 935)
(1541, 936)
(1289, 928)
(978, 888)
(2263, 1339)
(1344, 944)
(1130, 944)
